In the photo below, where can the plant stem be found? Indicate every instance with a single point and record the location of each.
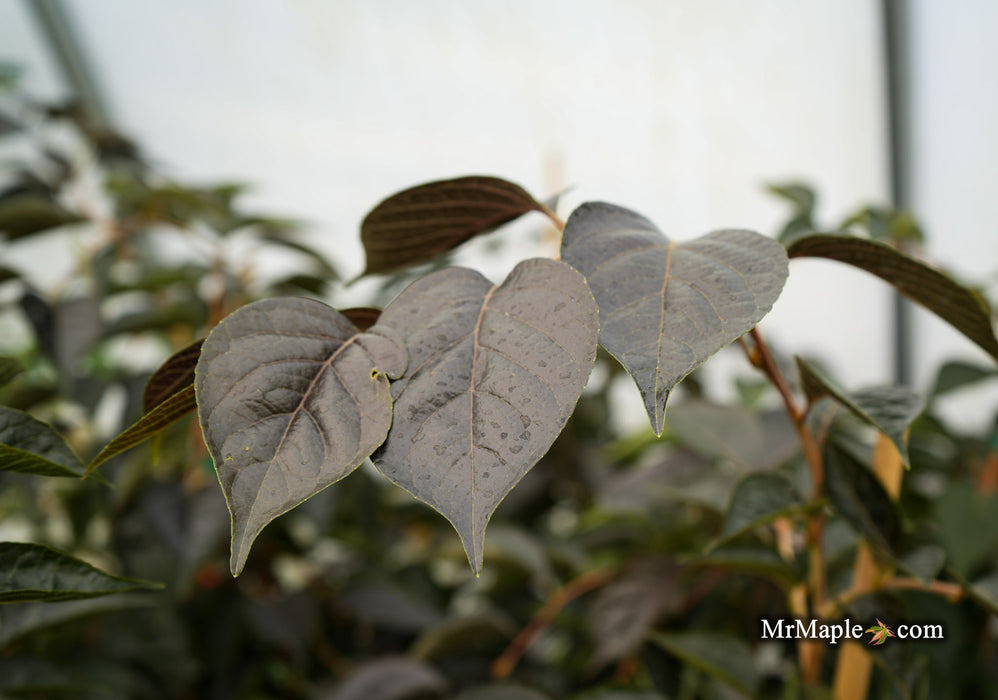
(810, 654)
(507, 661)
(555, 219)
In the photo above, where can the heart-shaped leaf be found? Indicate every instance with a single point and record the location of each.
(889, 409)
(665, 307)
(419, 223)
(32, 572)
(291, 398)
(29, 446)
(952, 302)
(494, 374)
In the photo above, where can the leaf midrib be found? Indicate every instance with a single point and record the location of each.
(471, 422)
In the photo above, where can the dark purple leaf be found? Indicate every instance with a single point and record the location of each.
(958, 306)
(494, 374)
(665, 307)
(291, 399)
(172, 376)
(417, 224)
(362, 316)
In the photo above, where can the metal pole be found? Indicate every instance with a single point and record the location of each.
(897, 63)
(55, 25)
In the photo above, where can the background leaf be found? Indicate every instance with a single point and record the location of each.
(24, 215)
(803, 199)
(889, 409)
(502, 691)
(31, 572)
(419, 223)
(9, 368)
(728, 659)
(860, 498)
(391, 679)
(626, 609)
(938, 293)
(757, 500)
(665, 307)
(494, 374)
(291, 399)
(955, 375)
(29, 446)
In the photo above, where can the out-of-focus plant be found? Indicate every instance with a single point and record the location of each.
(615, 565)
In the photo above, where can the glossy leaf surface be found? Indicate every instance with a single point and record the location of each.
(29, 446)
(889, 409)
(494, 373)
(291, 398)
(665, 307)
(417, 224)
(929, 287)
(31, 572)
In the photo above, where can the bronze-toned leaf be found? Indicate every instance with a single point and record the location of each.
(665, 307)
(362, 316)
(417, 224)
(172, 376)
(958, 306)
(495, 371)
(155, 421)
(291, 398)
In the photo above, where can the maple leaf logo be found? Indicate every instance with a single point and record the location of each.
(880, 633)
